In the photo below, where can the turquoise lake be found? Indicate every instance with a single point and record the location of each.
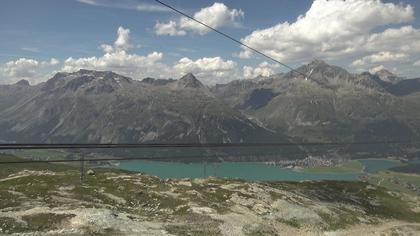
(244, 170)
(375, 165)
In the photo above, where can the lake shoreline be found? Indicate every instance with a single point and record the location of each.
(251, 171)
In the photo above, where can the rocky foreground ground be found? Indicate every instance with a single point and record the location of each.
(49, 200)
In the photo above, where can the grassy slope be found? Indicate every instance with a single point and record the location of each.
(146, 197)
(395, 181)
(8, 169)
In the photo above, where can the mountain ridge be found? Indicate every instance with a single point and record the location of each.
(94, 106)
(102, 106)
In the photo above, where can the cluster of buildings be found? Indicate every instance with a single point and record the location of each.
(308, 162)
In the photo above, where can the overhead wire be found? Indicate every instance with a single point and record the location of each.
(10, 146)
(231, 38)
(193, 145)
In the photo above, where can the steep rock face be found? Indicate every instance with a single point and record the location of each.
(329, 104)
(257, 98)
(319, 70)
(104, 107)
(189, 81)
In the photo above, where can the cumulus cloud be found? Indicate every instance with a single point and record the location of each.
(112, 61)
(117, 58)
(381, 57)
(375, 69)
(123, 39)
(218, 15)
(170, 28)
(263, 69)
(24, 68)
(210, 70)
(337, 29)
(392, 47)
(122, 43)
(52, 62)
(404, 39)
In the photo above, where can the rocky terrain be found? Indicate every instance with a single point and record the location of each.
(330, 105)
(103, 107)
(50, 200)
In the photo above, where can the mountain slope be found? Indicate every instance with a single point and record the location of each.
(110, 202)
(104, 107)
(406, 87)
(330, 104)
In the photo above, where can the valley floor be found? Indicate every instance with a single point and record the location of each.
(50, 200)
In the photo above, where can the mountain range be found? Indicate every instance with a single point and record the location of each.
(328, 105)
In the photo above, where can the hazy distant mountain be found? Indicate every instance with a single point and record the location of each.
(406, 87)
(94, 106)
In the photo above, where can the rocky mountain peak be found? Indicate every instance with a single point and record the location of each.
(317, 62)
(320, 71)
(91, 80)
(97, 74)
(85, 71)
(189, 81)
(23, 82)
(387, 76)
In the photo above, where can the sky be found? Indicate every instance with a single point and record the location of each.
(140, 38)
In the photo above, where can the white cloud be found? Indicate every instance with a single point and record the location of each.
(122, 43)
(24, 68)
(116, 61)
(151, 8)
(107, 48)
(169, 28)
(127, 4)
(380, 57)
(210, 70)
(117, 58)
(30, 49)
(335, 29)
(417, 63)
(375, 69)
(123, 39)
(405, 39)
(218, 15)
(54, 62)
(263, 69)
(89, 2)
